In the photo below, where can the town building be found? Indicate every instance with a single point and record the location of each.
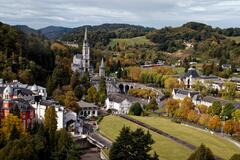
(87, 110)
(11, 102)
(121, 103)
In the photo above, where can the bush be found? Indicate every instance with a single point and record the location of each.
(135, 109)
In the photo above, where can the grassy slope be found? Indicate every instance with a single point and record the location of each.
(131, 41)
(218, 145)
(165, 148)
(237, 39)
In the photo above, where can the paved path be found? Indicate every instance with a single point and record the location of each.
(98, 137)
(160, 132)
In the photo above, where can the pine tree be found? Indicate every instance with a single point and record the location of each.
(132, 145)
(202, 153)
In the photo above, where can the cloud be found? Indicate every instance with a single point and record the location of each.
(157, 13)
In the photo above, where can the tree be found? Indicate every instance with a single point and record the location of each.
(229, 127)
(131, 145)
(193, 116)
(186, 106)
(215, 109)
(203, 120)
(153, 105)
(227, 111)
(202, 153)
(135, 109)
(236, 114)
(230, 90)
(75, 79)
(214, 122)
(65, 147)
(171, 105)
(50, 123)
(102, 93)
(70, 101)
(202, 108)
(92, 96)
(171, 83)
(10, 126)
(60, 76)
(78, 91)
(235, 157)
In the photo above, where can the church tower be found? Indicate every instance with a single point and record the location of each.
(102, 69)
(86, 53)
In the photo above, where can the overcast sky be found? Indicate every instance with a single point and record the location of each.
(154, 13)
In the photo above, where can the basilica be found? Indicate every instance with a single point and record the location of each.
(81, 62)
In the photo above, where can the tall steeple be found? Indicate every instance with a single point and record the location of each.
(102, 69)
(86, 53)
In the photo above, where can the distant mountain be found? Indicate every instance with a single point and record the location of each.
(53, 32)
(26, 29)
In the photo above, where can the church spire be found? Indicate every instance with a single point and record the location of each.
(85, 35)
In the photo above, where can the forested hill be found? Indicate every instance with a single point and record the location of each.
(207, 42)
(102, 34)
(27, 57)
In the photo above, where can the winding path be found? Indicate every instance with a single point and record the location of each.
(160, 132)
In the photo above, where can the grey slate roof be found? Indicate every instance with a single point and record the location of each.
(186, 92)
(83, 104)
(191, 72)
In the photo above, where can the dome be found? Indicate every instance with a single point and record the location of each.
(34, 88)
(8, 90)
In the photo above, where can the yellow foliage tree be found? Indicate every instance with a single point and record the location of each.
(171, 83)
(193, 116)
(214, 122)
(204, 118)
(10, 123)
(171, 105)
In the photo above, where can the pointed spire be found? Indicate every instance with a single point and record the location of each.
(85, 35)
(102, 64)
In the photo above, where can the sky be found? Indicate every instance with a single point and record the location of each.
(153, 13)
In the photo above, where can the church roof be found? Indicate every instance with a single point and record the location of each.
(191, 73)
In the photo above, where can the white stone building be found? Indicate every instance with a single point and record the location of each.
(87, 110)
(121, 103)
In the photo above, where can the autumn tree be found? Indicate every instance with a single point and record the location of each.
(134, 73)
(11, 125)
(204, 118)
(186, 106)
(202, 108)
(193, 116)
(229, 127)
(214, 122)
(171, 105)
(70, 101)
(171, 83)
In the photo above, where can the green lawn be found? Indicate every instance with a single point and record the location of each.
(217, 144)
(165, 148)
(130, 41)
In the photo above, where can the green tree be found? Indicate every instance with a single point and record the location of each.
(65, 147)
(78, 91)
(227, 111)
(75, 79)
(215, 109)
(102, 93)
(60, 76)
(50, 123)
(131, 145)
(230, 90)
(236, 114)
(92, 95)
(135, 109)
(202, 153)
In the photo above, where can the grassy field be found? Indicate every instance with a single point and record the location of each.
(218, 145)
(130, 41)
(237, 39)
(165, 148)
